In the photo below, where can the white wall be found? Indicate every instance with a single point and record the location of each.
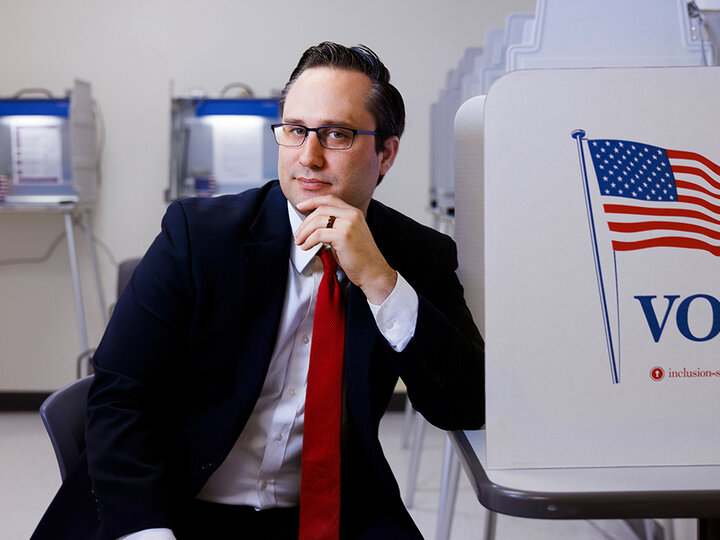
(130, 51)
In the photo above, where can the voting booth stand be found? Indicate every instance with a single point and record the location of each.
(49, 163)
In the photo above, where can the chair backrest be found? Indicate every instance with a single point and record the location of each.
(63, 414)
(125, 270)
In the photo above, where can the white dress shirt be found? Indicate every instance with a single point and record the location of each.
(263, 468)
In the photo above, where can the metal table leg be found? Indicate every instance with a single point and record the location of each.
(490, 525)
(420, 427)
(448, 491)
(79, 310)
(408, 417)
(96, 268)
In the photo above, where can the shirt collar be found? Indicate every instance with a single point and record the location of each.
(299, 257)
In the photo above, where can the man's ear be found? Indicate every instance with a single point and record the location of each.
(388, 153)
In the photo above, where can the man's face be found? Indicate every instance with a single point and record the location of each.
(332, 97)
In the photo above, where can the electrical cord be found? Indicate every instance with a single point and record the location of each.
(54, 244)
(35, 260)
(98, 242)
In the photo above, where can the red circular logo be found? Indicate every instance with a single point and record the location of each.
(657, 373)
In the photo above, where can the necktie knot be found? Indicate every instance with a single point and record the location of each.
(330, 265)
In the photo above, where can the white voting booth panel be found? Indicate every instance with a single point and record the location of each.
(577, 33)
(602, 296)
(468, 220)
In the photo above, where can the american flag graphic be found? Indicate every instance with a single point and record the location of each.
(656, 197)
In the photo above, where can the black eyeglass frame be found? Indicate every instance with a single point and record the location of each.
(317, 132)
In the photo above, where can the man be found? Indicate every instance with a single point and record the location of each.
(198, 418)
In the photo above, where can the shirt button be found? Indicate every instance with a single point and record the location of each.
(292, 392)
(305, 340)
(389, 324)
(279, 437)
(263, 485)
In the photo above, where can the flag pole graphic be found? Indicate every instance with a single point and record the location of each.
(578, 135)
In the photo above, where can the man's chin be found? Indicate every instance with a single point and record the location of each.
(302, 194)
(294, 201)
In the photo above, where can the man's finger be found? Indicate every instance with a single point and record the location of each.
(319, 219)
(321, 200)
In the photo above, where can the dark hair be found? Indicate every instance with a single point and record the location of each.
(384, 101)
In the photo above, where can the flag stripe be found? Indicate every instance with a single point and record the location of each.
(691, 186)
(651, 211)
(679, 154)
(663, 225)
(669, 241)
(700, 202)
(697, 172)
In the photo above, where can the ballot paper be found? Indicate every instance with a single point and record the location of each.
(37, 154)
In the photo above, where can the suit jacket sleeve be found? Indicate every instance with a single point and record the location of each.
(129, 431)
(443, 364)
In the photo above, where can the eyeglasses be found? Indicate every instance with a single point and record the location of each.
(330, 137)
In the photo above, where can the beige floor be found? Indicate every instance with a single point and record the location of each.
(29, 477)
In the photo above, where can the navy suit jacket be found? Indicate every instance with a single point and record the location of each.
(185, 354)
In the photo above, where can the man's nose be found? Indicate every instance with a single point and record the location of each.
(313, 154)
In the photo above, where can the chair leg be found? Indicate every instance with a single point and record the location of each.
(407, 423)
(448, 491)
(420, 426)
(655, 530)
(648, 529)
(668, 526)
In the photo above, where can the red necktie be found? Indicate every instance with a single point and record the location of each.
(320, 483)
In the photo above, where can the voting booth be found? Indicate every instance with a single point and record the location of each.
(588, 227)
(48, 148)
(601, 202)
(221, 145)
(50, 163)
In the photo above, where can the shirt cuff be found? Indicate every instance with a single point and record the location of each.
(397, 315)
(150, 534)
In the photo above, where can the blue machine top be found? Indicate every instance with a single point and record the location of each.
(35, 107)
(247, 107)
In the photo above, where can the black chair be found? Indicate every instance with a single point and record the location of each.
(125, 270)
(63, 414)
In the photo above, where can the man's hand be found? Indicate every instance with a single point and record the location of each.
(352, 244)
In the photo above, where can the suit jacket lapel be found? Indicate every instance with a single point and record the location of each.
(262, 282)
